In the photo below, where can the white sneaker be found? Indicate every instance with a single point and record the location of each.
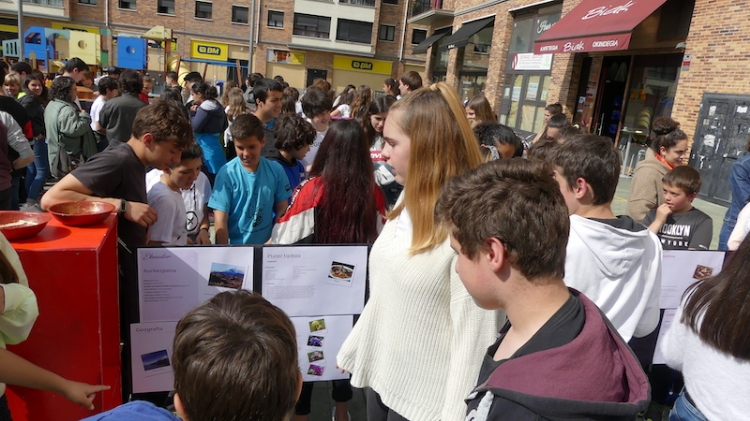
(31, 208)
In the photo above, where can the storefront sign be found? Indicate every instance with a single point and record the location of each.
(362, 65)
(585, 44)
(209, 50)
(286, 57)
(531, 61)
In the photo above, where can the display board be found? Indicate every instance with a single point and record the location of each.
(321, 287)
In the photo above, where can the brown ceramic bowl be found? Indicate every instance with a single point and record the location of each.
(16, 225)
(78, 214)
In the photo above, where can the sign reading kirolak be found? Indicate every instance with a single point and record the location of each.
(584, 44)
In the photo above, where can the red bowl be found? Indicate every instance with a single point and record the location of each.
(78, 214)
(16, 225)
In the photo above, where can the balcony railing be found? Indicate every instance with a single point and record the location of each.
(421, 6)
(54, 3)
(369, 3)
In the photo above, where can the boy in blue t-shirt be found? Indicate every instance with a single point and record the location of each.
(251, 192)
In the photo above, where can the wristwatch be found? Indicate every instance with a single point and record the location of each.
(123, 206)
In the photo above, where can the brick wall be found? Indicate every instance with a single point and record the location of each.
(718, 39)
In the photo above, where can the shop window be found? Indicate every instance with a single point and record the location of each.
(470, 85)
(476, 52)
(354, 31)
(203, 10)
(387, 32)
(418, 35)
(312, 26)
(165, 6)
(89, 2)
(126, 4)
(239, 14)
(55, 3)
(275, 19)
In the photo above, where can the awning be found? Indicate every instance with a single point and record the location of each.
(596, 25)
(461, 37)
(429, 42)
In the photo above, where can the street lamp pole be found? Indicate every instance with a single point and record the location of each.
(20, 30)
(250, 40)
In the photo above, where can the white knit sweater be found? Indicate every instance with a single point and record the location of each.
(718, 383)
(420, 340)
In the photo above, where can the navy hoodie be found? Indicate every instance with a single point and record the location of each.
(209, 118)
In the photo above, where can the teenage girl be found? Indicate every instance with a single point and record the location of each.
(235, 107)
(328, 208)
(418, 346)
(479, 110)
(373, 124)
(208, 120)
(709, 344)
(36, 172)
(669, 148)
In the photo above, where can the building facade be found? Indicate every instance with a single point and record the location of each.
(344, 41)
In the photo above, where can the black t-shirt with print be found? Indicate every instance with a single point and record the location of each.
(690, 230)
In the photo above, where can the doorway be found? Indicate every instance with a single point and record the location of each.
(313, 74)
(609, 104)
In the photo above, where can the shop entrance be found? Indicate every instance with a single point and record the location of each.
(609, 104)
(720, 139)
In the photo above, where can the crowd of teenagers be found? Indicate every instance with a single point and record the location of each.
(502, 285)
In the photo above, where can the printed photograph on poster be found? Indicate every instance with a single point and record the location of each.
(315, 341)
(151, 353)
(318, 326)
(306, 281)
(226, 276)
(317, 352)
(341, 274)
(316, 356)
(682, 268)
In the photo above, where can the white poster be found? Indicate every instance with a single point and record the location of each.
(151, 356)
(531, 61)
(666, 322)
(319, 339)
(682, 268)
(305, 281)
(171, 281)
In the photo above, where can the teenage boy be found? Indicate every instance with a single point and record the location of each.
(108, 89)
(165, 197)
(118, 176)
(75, 69)
(678, 224)
(557, 357)
(613, 260)
(316, 104)
(195, 198)
(293, 137)
(118, 113)
(267, 94)
(190, 79)
(409, 82)
(234, 358)
(251, 192)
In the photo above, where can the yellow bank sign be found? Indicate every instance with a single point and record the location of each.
(362, 65)
(209, 50)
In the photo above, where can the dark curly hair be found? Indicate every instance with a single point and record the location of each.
(131, 81)
(665, 133)
(292, 132)
(61, 89)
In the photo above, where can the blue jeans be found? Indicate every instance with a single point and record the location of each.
(726, 231)
(683, 410)
(37, 171)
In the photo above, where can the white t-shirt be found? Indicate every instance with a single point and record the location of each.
(195, 199)
(96, 108)
(169, 227)
(310, 156)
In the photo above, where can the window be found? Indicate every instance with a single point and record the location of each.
(56, 3)
(370, 3)
(312, 26)
(89, 2)
(239, 14)
(418, 35)
(275, 19)
(354, 31)
(165, 6)
(390, 1)
(387, 32)
(203, 10)
(126, 4)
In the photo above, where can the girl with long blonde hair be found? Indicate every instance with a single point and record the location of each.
(419, 343)
(235, 107)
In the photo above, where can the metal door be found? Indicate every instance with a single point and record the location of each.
(721, 136)
(313, 74)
